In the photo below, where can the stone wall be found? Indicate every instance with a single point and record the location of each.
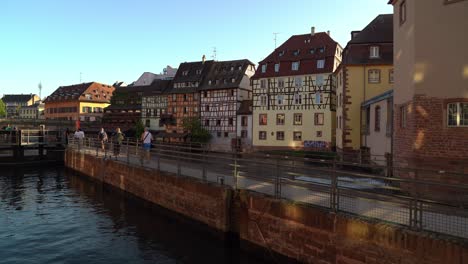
(312, 235)
(203, 202)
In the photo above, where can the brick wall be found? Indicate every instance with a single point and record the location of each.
(426, 141)
(312, 235)
(203, 202)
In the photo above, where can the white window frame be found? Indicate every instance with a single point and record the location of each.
(458, 114)
(374, 52)
(320, 64)
(264, 68)
(295, 66)
(277, 67)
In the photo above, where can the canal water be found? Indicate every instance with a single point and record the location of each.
(51, 215)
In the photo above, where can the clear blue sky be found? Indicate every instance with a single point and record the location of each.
(108, 40)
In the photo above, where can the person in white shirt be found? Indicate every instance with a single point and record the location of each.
(146, 138)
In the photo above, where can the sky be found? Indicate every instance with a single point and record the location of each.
(53, 41)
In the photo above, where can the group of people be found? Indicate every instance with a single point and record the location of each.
(118, 138)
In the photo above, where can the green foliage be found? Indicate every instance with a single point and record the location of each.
(197, 132)
(139, 128)
(2, 109)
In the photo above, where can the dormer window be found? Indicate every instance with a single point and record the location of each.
(199, 72)
(240, 68)
(312, 51)
(281, 53)
(185, 73)
(321, 49)
(264, 67)
(320, 64)
(277, 67)
(233, 80)
(374, 52)
(225, 81)
(232, 68)
(295, 66)
(296, 52)
(209, 82)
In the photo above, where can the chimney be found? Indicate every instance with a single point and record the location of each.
(312, 31)
(328, 32)
(203, 58)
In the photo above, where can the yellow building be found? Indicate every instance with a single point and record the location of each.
(365, 73)
(294, 95)
(83, 102)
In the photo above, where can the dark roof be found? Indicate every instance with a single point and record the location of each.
(380, 30)
(305, 48)
(76, 92)
(12, 98)
(245, 108)
(225, 74)
(157, 87)
(192, 71)
(378, 33)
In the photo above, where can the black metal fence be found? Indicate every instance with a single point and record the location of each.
(362, 189)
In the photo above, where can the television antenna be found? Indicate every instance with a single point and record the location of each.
(81, 74)
(214, 54)
(276, 36)
(40, 89)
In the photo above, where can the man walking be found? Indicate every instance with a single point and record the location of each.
(146, 138)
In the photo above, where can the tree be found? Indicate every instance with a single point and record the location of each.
(197, 132)
(2, 109)
(139, 128)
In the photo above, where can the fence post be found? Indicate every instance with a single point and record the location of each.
(334, 188)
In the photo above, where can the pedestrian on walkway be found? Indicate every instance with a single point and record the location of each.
(79, 135)
(146, 138)
(118, 139)
(102, 137)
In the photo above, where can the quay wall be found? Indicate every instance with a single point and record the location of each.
(282, 230)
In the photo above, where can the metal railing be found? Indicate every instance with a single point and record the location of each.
(412, 199)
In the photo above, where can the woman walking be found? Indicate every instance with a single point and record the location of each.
(118, 139)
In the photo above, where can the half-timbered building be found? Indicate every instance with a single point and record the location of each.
(224, 87)
(294, 97)
(183, 99)
(154, 104)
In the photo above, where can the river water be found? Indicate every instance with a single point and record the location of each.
(51, 215)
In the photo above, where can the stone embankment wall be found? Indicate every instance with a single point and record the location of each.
(299, 232)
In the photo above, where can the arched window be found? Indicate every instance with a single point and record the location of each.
(377, 119)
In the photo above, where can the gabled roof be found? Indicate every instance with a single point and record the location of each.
(379, 33)
(380, 30)
(192, 71)
(225, 74)
(77, 92)
(306, 49)
(17, 98)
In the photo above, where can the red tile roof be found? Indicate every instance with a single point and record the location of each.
(306, 49)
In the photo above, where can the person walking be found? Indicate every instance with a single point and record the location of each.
(102, 137)
(146, 138)
(118, 139)
(79, 135)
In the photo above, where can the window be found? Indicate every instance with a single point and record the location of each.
(218, 134)
(280, 135)
(233, 80)
(277, 66)
(320, 64)
(185, 97)
(377, 119)
(205, 94)
(199, 72)
(319, 134)
(297, 136)
(174, 97)
(244, 121)
(402, 12)
(297, 98)
(367, 128)
(147, 123)
(281, 53)
(374, 76)
(403, 116)
(185, 73)
(262, 84)
(218, 122)
(340, 100)
(390, 76)
(263, 100)
(319, 80)
(295, 66)
(230, 121)
(207, 122)
(280, 119)
(280, 99)
(340, 122)
(226, 134)
(262, 119)
(319, 119)
(174, 110)
(457, 114)
(232, 92)
(318, 98)
(207, 108)
(281, 83)
(262, 135)
(298, 81)
(312, 51)
(185, 110)
(321, 49)
(264, 67)
(244, 134)
(297, 119)
(374, 52)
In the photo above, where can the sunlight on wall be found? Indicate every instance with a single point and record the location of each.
(465, 72)
(357, 230)
(418, 143)
(422, 111)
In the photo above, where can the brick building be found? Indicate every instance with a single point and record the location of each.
(431, 84)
